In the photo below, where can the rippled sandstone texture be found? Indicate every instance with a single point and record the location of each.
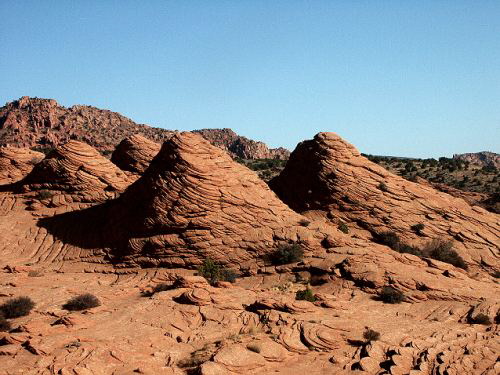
(134, 154)
(16, 163)
(193, 201)
(328, 177)
(75, 172)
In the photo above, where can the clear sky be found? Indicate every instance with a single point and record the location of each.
(407, 78)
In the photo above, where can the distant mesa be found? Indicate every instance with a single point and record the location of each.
(327, 176)
(195, 202)
(134, 153)
(43, 123)
(16, 163)
(79, 171)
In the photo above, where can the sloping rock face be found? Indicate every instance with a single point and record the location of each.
(195, 202)
(328, 177)
(134, 154)
(76, 171)
(484, 158)
(16, 163)
(241, 146)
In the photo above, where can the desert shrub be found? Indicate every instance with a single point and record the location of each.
(405, 248)
(289, 253)
(383, 187)
(304, 222)
(4, 324)
(443, 251)
(44, 194)
(496, 274)
(418, 228)
(214, 272)
(82, 302)
(480, 319)
(370, 335)
(343, 227)
(390, 295)
(16, 307)
(390, 239)
(305, 295)
(35, 273)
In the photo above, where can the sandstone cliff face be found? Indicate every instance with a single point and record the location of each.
(484, 158)
(16, 163)
(75, 172)
(195, 202)
(328, 177)
(134, 154)
(43, 123)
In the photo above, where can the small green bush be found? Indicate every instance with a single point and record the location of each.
(391, 295)
(390, 239)
(480, 319)
(4, 324)
(17, 307)
(305, 295)
(383, 187)
(286, 254)
(418, 228)
(82, 302)
(214, 272)
(370, 335)
(44, 194)
(443, 251)
(343, 227)
(304, 222)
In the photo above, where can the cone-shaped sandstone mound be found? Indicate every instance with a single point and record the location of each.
(16, 163)
(327, 176)
(135, 153)
(77, 170)
(195, 202)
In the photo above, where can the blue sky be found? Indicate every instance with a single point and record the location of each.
(406, 78)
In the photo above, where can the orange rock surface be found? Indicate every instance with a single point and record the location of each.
(102, 233)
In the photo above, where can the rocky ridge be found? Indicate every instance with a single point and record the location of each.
(484, 158)
(44, 124)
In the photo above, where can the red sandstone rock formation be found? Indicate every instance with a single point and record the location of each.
(328, 177)
(195, 202)
(76, 172)
(192, 202)
(16, 163)
(135, 153)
